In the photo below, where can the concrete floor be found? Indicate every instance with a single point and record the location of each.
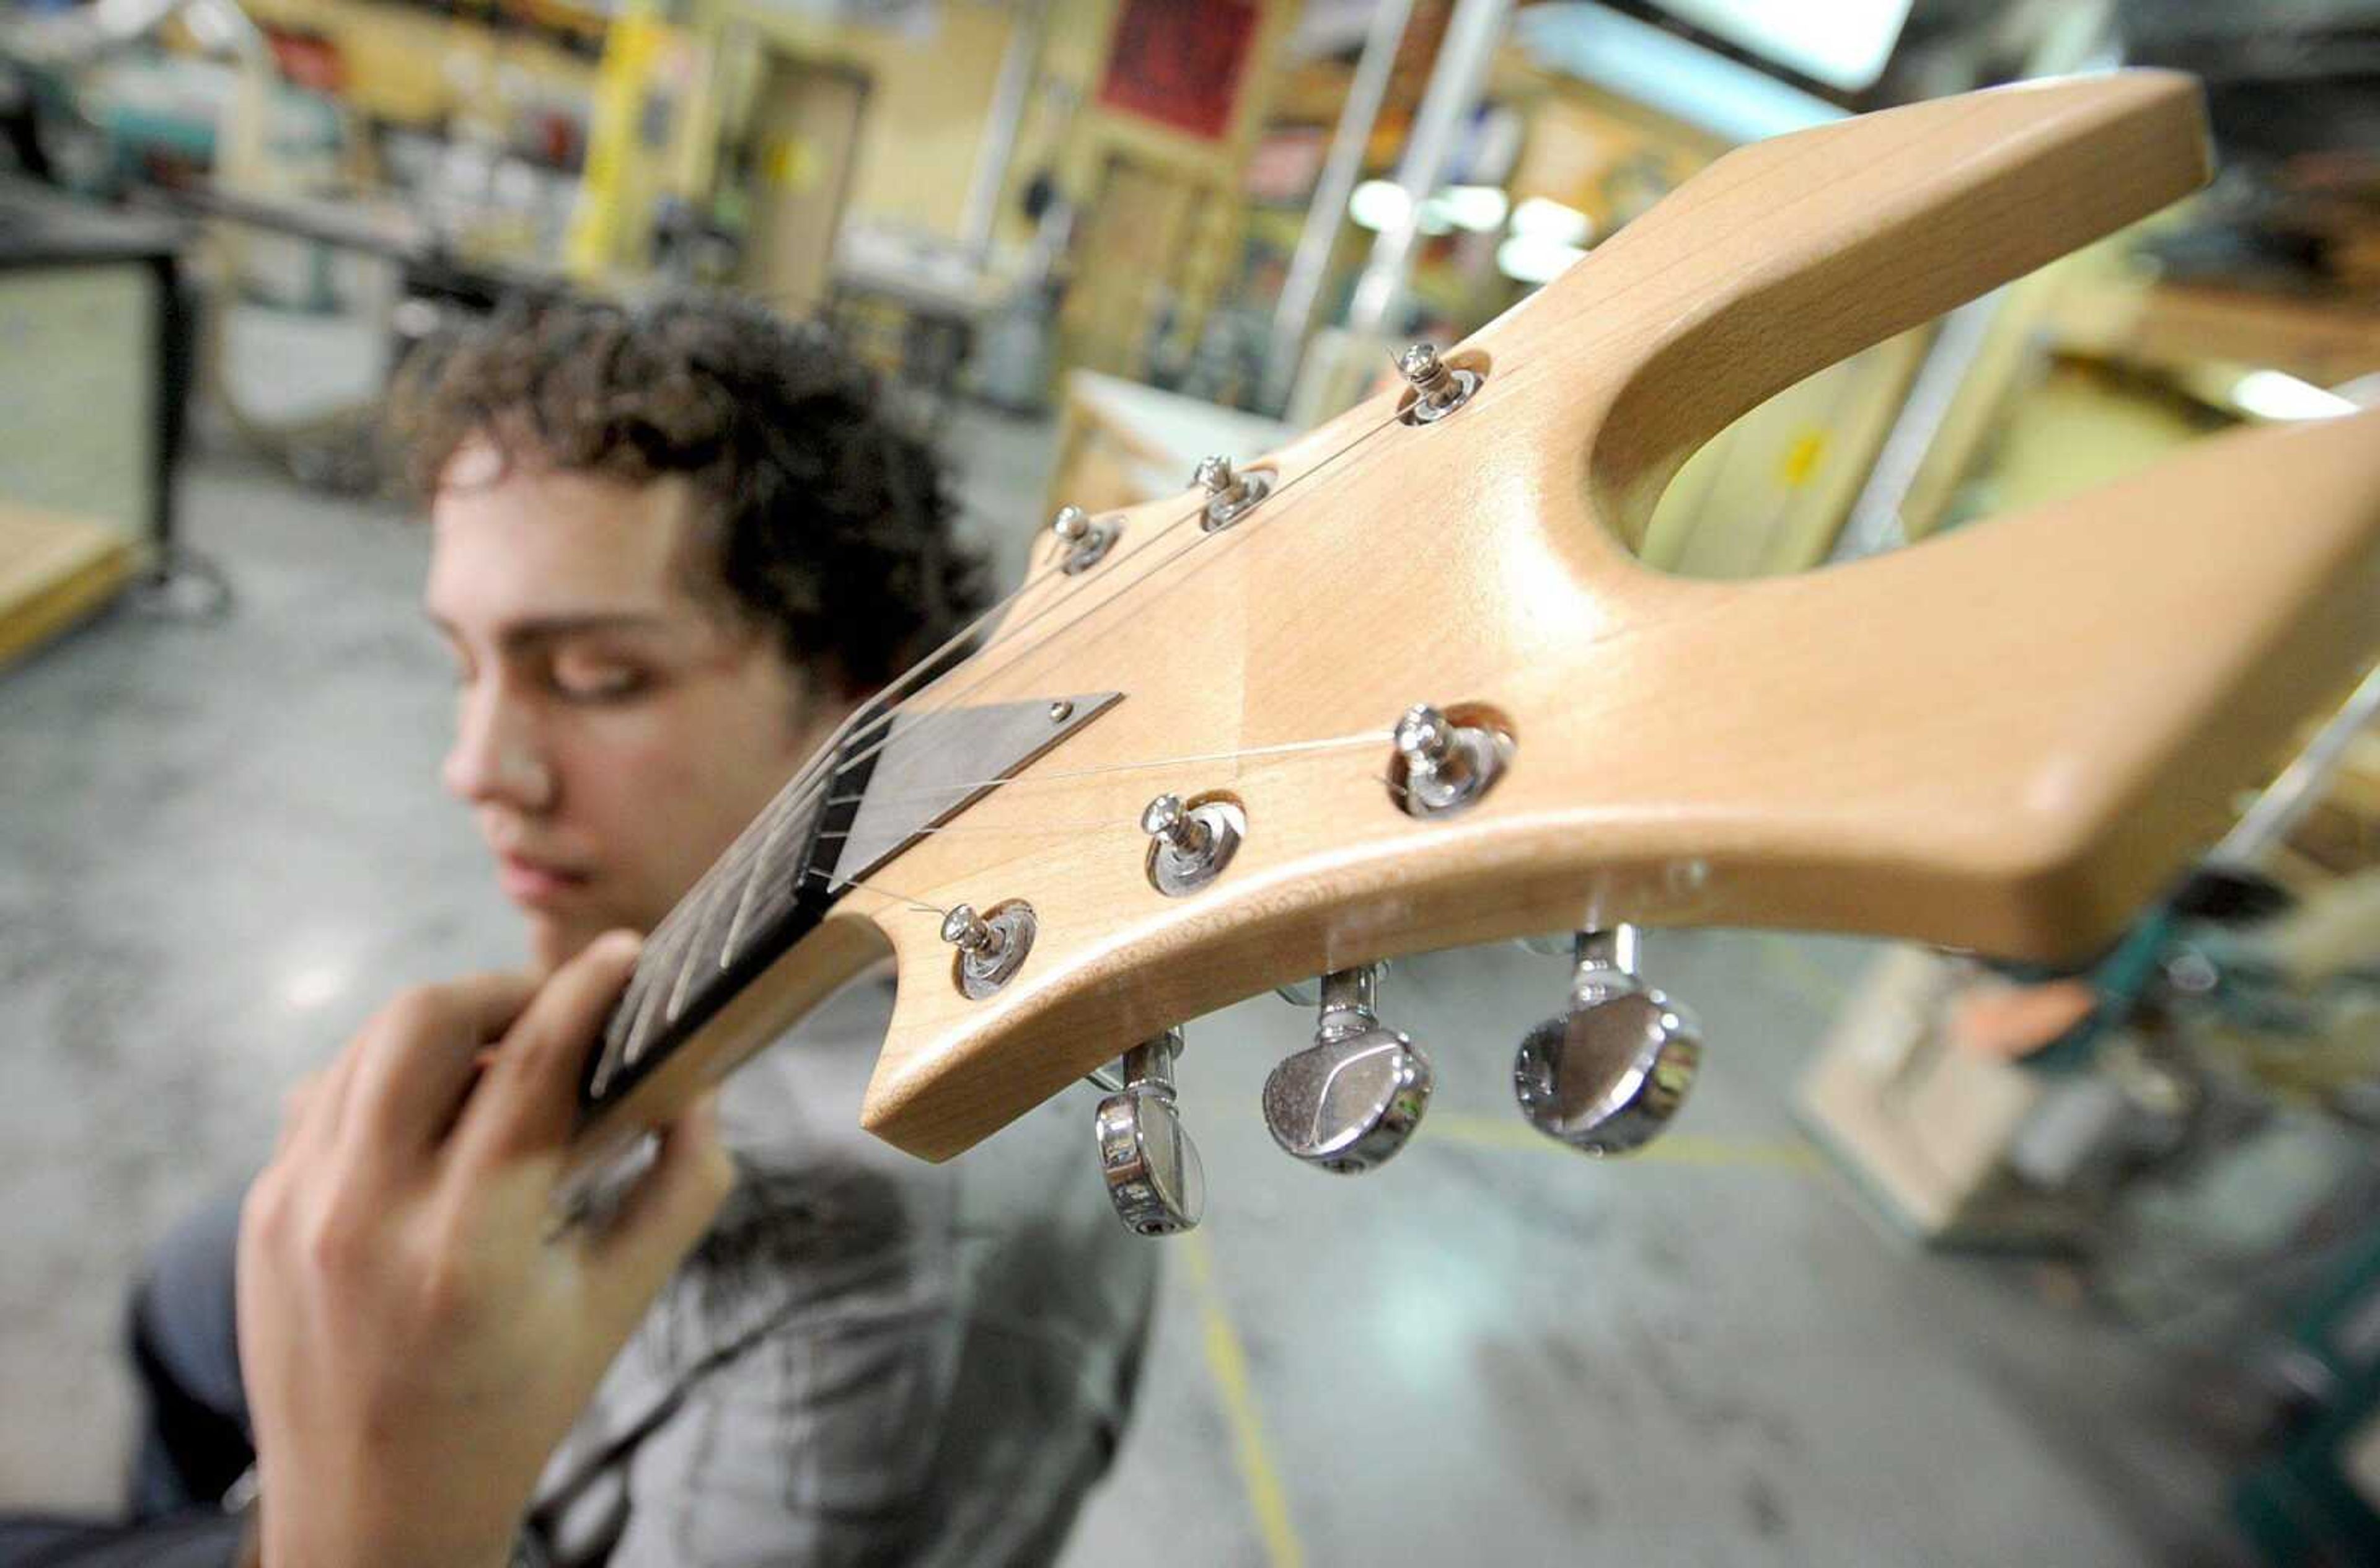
(223, 845)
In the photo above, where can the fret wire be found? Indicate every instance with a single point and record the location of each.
(655, 996)
(694, 946)
(752, 878)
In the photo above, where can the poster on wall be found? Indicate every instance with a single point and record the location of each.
(1179, 62)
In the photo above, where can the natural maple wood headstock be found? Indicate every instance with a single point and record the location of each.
(2004, 739)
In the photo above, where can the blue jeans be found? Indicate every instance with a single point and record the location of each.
(194, 1440)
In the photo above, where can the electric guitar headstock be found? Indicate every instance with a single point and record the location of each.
(1403, 686)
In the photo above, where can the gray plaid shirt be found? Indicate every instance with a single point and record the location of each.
(870, 1359)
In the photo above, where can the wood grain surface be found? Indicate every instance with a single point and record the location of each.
(2005, 738)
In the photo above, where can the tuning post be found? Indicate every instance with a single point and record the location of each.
(991, 948)
(1351, 1099)
(1443, 765)
(1084, 543)
(1438, 388)
(1189, 846)
(1607, 1076)
(1231, 496)
(1152, 1170)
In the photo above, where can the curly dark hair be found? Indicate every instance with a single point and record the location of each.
(831, 522)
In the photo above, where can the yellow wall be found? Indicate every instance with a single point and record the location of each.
(400, 62)
(927, 103)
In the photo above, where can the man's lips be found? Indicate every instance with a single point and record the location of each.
(536, 882)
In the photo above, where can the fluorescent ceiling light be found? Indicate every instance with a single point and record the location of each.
(1382, 205)
(1379, 204)
(1841, 42)
(1479, 208)
(1668, 74)
(1550, 220)
(1528, 257)
(2276, 395)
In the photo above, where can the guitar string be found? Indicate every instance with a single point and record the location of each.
(824, 757)
(1152, 575)
(749, 853)
(1279, 749)
(798, 797)
(874, 708)
(793, 797)
(1053, 829)
(790, 801)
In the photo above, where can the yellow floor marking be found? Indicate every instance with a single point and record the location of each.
(1676, 1149)
(1227, 1363)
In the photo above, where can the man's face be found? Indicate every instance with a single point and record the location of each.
(613, 732)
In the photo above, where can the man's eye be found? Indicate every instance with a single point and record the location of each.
(609, 684)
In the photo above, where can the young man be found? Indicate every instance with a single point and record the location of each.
(672, 550)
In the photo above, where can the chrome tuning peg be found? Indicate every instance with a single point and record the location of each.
(1153, 1173)
(1607, 1075)
(1349, 1101)
(1230, 494)
(1082, 542)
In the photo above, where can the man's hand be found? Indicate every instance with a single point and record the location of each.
(415, 1338)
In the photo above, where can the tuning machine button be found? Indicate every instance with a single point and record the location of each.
(1351, 1099)
(1154, 1176)
(1607, 1076)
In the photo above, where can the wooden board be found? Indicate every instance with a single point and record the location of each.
(54, 571)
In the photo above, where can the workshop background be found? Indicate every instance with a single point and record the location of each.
(1883, 1296)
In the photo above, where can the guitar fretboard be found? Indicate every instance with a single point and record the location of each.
(770, 889)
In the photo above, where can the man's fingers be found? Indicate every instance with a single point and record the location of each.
(418, 1057)
(666, 1213)
(326, 1103)
(528, 1098)
(302, 1096)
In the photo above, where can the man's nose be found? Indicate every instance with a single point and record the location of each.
(496, 759)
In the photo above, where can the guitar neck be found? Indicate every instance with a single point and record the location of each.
(769, 891)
